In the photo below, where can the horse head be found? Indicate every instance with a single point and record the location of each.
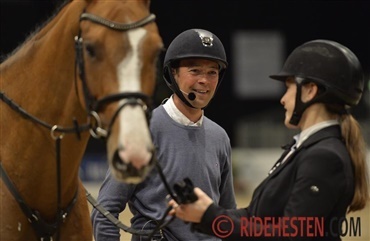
(91, 66)
(116, 52)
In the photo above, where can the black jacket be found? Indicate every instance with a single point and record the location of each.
(312, 190)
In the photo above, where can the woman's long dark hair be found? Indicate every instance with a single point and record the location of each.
(356, 147)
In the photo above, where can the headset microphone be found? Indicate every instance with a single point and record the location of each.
(190, 95)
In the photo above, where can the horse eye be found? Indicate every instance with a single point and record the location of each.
(90, 50)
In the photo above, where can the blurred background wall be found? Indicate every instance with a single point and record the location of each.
(258, 36)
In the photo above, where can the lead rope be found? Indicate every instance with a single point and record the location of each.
(149, 233)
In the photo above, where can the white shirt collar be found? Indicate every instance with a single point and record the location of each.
(301, 137)
(179, 117)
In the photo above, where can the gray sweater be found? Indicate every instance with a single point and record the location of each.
(201, 153)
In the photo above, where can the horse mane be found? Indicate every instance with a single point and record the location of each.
(58, 6)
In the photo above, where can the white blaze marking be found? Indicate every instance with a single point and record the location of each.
(130, 68)
(134, 134)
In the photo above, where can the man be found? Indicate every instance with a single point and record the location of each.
(189, 145)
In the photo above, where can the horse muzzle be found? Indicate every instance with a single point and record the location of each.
(124, 169)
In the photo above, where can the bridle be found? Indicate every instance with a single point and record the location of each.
(93, 106)
(46, 231)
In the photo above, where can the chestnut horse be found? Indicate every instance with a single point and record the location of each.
(92, 66)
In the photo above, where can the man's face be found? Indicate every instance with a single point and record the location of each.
(198, 76)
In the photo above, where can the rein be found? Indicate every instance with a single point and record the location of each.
(149, 233)
(44, 230)
(76, 128)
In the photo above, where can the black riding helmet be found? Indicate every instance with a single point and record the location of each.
(193, 43)
(330, 65)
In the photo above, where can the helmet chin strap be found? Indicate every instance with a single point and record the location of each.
(301, 106)
(178, 92)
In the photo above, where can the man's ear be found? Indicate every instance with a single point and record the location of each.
(173, 71)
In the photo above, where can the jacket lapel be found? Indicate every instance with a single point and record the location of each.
(328, 132)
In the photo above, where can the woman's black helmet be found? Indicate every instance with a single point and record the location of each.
(193, 43)
(331, 66)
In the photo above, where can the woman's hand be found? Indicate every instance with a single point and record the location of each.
(192, 212)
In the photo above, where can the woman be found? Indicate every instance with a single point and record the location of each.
(322, 176)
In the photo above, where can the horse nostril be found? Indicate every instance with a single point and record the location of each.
(127, 172)
(118, 163)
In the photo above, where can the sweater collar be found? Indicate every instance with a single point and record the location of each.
(179, 117)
